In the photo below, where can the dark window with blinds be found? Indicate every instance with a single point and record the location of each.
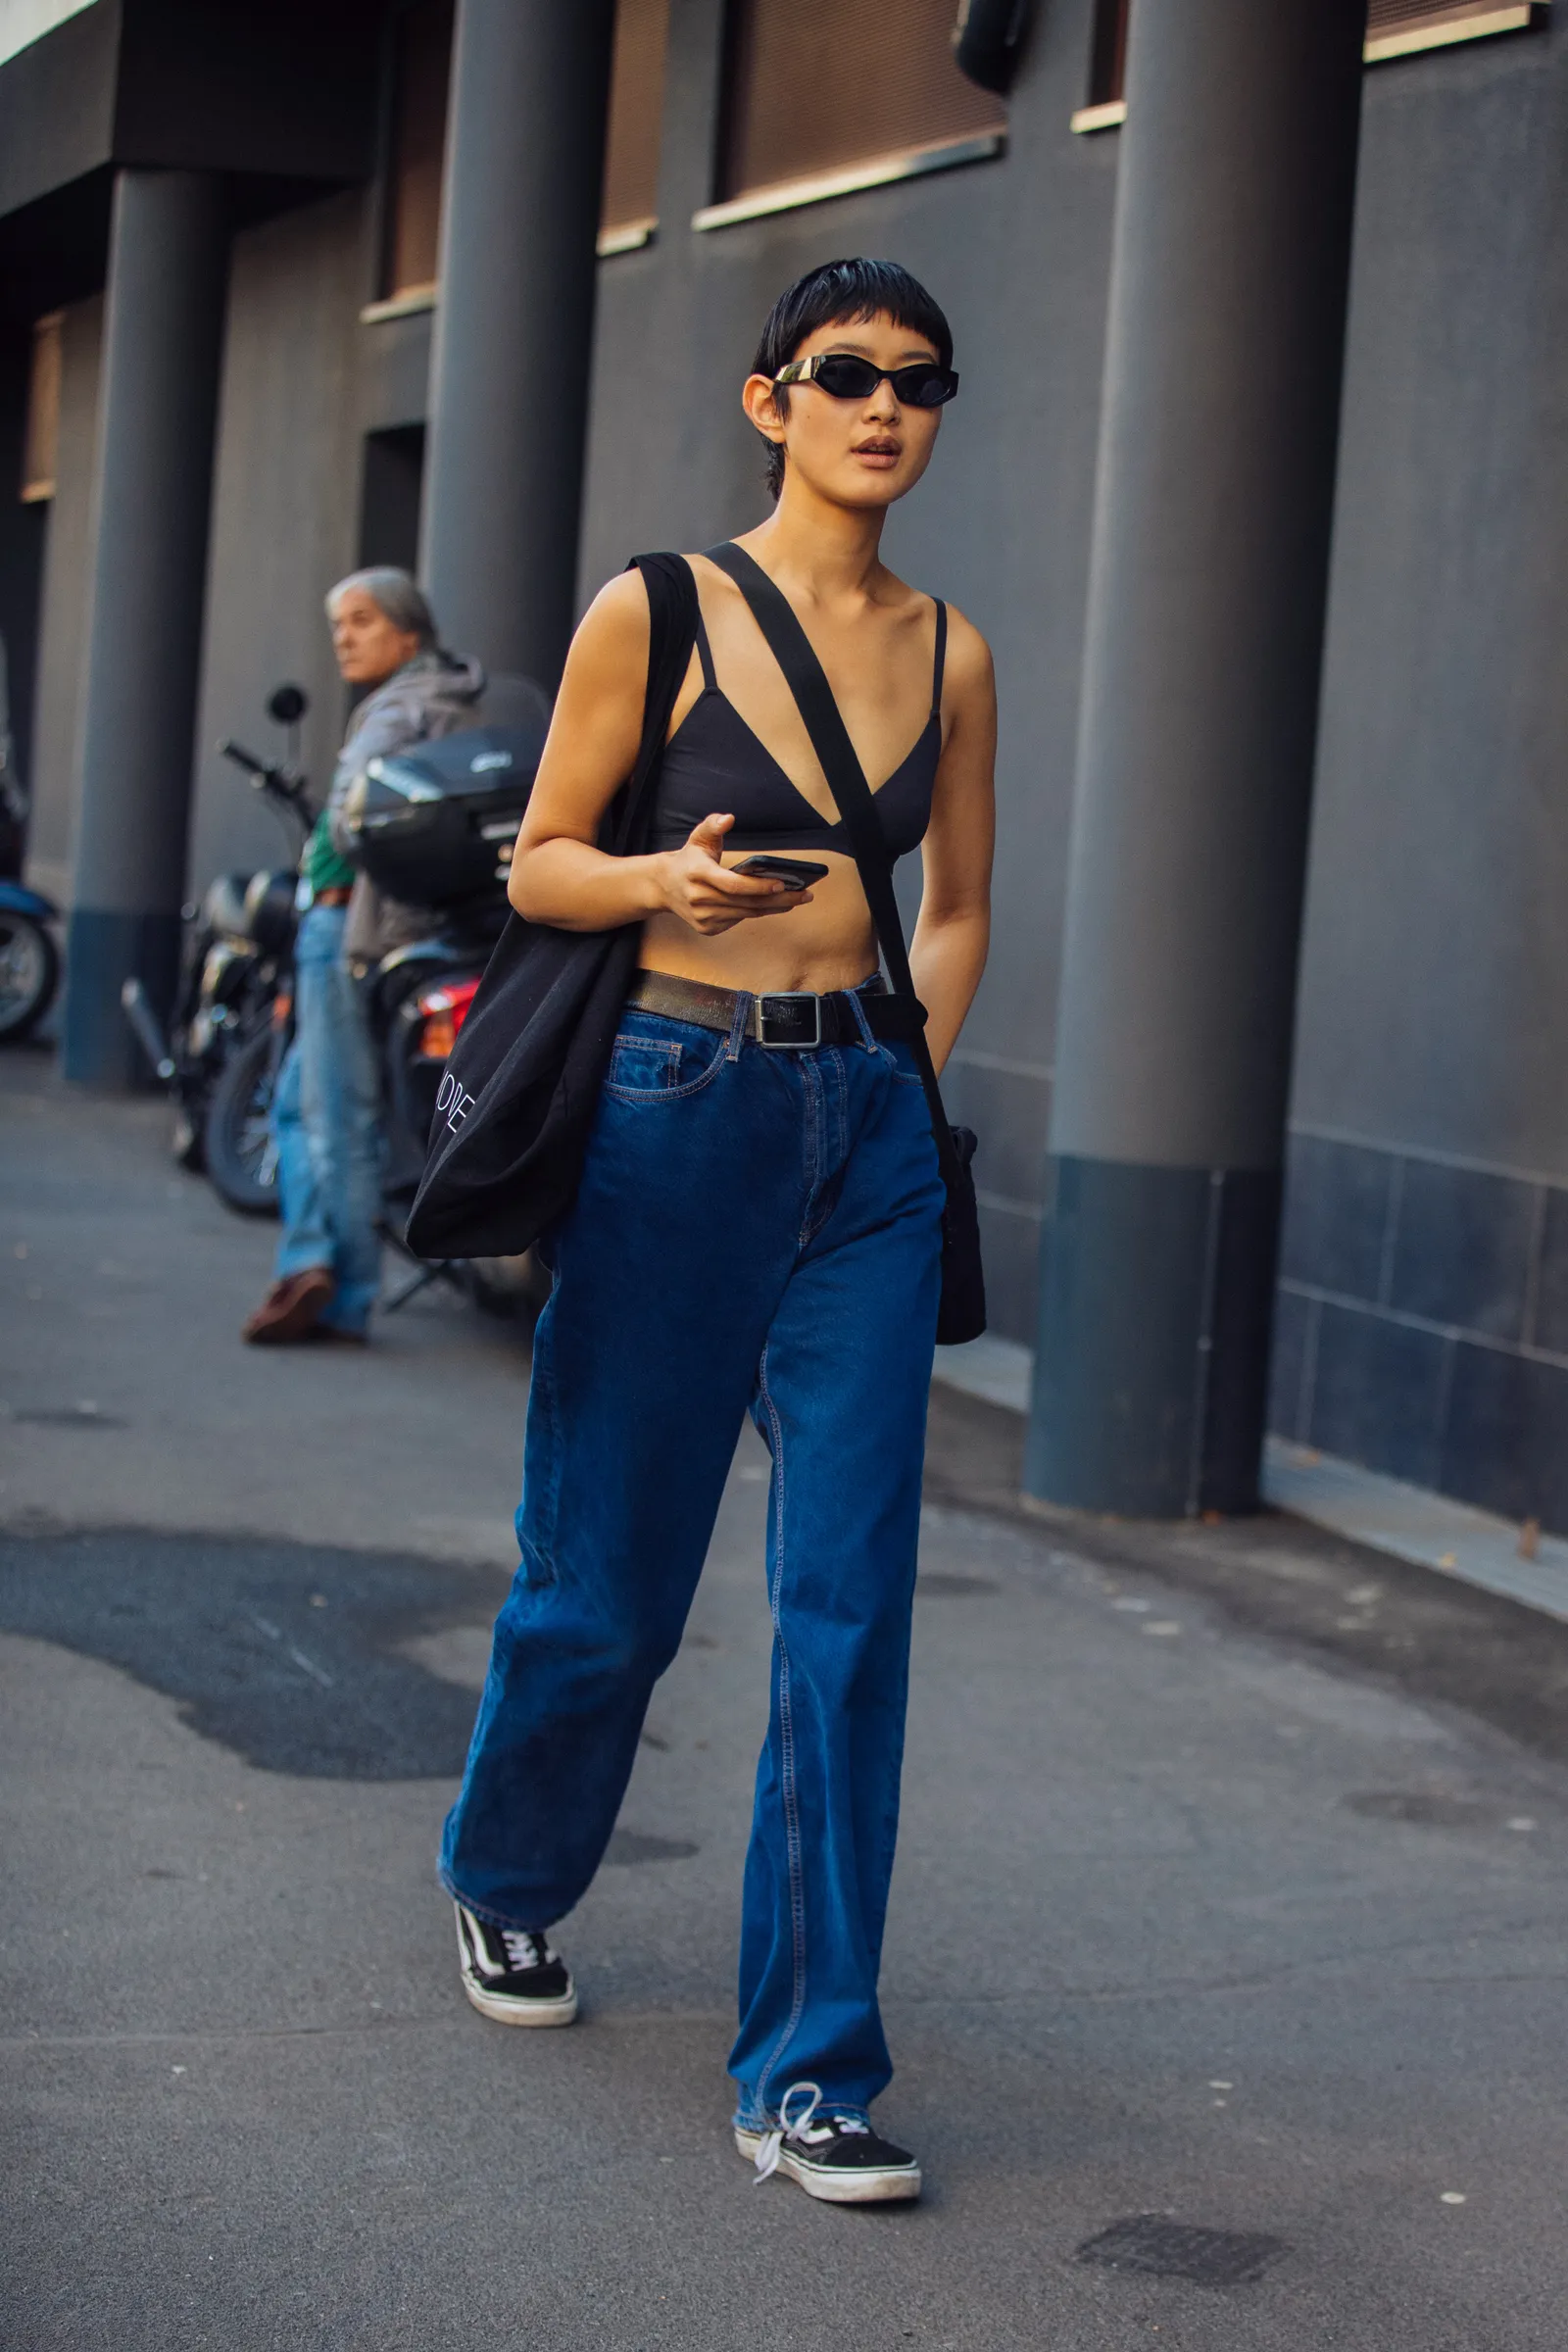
(422, 70)
(636, 113)
(819, 86)
(1394, 28)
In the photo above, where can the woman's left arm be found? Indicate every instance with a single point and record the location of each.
(948, 952)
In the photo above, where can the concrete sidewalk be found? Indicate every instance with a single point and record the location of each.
(1223, 1896)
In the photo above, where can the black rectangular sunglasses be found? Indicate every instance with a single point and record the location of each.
(845, 376)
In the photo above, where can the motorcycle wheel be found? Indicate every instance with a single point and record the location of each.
(241, 1157)
(29, 973)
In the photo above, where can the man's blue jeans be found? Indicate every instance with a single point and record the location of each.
(754, 1230)
(326, 1126)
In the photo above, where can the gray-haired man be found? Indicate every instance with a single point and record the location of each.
(326, 1111)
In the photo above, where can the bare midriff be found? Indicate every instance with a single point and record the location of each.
(826, 945)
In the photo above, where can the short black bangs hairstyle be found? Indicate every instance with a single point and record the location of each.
(839, 294)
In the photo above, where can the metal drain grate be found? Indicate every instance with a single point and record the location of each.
(1151, 2242)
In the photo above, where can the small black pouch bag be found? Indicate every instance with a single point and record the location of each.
(521, 1085)
(963, 1313)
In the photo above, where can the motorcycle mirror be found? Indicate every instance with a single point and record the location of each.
(287, 704)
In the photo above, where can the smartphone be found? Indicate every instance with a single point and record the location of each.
(799, 873)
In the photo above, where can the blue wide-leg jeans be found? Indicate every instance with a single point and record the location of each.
(754, 1231)
(327, 1115)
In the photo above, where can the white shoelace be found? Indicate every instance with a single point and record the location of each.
(523, 1949)
(771, 2146)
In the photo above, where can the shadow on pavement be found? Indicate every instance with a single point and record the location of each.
(286, 1654)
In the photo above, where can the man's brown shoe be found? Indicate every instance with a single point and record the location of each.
(291, 1309)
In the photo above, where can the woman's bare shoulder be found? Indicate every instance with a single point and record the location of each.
(968, 656)
(615, 629)
(970, 669)
(621, 603)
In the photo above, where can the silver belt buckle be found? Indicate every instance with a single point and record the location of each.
(788, 1045)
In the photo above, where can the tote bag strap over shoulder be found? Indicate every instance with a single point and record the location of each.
(804, 673)
(672, 632)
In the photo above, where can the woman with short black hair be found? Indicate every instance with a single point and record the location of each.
(756, 1229)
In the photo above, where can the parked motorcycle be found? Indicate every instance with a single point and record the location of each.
(29, 961)
(234, 971)
(433, 827)
(235, 1132)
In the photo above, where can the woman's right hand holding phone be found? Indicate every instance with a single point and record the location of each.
(714, 898)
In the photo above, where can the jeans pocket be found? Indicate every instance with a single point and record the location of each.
(644, 1065)
(655, 1061)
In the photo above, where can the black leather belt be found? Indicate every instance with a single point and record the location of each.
(793, 1019)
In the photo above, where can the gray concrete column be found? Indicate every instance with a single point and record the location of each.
(514, 331)
(163, 341)
(1204, 647)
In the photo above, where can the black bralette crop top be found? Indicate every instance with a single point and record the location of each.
(715, 764)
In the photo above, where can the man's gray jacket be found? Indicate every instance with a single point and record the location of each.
(435, 694)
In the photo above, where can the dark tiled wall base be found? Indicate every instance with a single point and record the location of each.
(1422, 1324)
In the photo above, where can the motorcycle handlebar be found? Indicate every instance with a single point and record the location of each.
(244, 759)
(290, 791)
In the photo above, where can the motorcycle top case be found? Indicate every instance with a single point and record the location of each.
(436, 823)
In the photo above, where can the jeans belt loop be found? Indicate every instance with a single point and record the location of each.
(739, 1025)
(861, 1022)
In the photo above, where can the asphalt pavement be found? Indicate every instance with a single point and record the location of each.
(1225, 1966)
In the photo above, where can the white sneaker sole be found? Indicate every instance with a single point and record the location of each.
(521, 2013)
(847, 2185)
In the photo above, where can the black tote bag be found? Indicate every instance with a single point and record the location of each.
(521, 1085)
(963, 1313)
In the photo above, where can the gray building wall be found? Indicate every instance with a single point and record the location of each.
(1441, 849)
(1424, 1318)
(286, 514)
(64, 606)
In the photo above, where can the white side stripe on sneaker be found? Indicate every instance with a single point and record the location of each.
(474, 1939)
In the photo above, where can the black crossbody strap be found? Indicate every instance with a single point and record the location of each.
(807, 680)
